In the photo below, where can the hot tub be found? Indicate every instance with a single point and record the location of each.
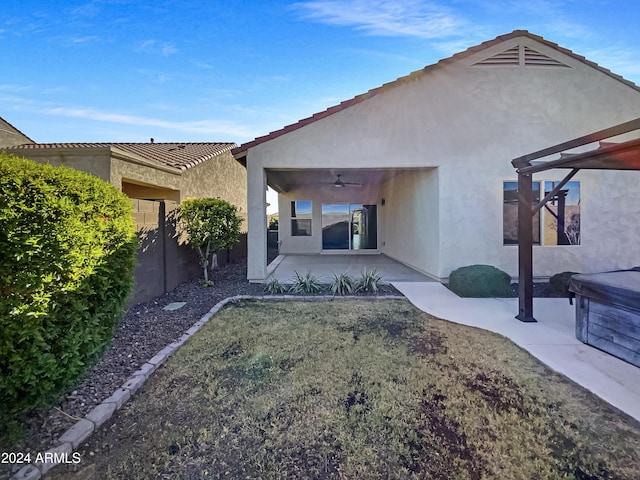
(608, 312)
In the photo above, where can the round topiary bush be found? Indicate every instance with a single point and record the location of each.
(559, 283)
(480, 281)
(68, 248)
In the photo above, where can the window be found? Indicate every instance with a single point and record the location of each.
(510, 214)
(562, 215)
(301, 218)
(349, 226)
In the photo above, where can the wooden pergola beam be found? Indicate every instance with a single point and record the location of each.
(622, 156)
(626, 127)
(555, 191)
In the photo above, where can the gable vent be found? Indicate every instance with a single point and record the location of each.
(520, 55)
(508, 57)
(533, 58)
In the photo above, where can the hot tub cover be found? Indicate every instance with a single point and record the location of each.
(620, 288)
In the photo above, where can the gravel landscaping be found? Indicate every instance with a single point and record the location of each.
(144, 330)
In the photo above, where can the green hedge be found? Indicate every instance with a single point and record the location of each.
(68, 248)
(480, 281)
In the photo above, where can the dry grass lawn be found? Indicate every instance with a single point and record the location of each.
(357, 390)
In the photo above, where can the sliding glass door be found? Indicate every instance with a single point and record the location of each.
(349, 226)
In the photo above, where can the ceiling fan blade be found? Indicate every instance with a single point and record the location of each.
(339, 183)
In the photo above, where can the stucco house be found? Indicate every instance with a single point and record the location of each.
(10, 135)
(419, 169)
(152, 171)
(157, 177)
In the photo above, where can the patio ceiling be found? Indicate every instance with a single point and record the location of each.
(283, 181)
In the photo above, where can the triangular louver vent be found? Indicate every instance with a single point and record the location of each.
(508, 57)
(533, 58)
(520, 56)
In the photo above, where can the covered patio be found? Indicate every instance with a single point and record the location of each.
(323, 266)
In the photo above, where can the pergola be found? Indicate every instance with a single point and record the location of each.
(623, 155)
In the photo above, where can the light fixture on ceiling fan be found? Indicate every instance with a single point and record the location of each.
(340, 184)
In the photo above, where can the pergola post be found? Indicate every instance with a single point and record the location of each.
(525, 248)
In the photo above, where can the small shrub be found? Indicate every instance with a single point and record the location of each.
(68, 248)
(480, 281)
(369, 282)
(342, 284)
(275, 287)
(305, 285)
(559, 283)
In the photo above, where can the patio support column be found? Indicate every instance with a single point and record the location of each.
(525, 248)
(257, 222)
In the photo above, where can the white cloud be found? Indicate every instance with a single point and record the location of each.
(157, 47)
(6, 87)
(624, 61)
(212, 127)
(155, 76)
(451, 47)
(412, 18)
(85, 39)
(89, 9)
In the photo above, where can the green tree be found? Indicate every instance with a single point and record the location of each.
(211, 225)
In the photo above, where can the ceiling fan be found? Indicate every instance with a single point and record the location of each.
(340, 184)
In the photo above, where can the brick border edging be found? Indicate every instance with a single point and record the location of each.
(82, 430)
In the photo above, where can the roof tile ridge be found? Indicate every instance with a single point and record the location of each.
(229, 147)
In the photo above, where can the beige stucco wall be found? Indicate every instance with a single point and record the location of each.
(221, 177)
(469, 122)
(410, 220)
(96, 162)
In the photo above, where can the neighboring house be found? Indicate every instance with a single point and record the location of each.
(152, 171)
(157, 177)
(10, 135)
(424, 173)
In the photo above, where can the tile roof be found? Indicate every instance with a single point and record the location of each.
(240, 151)
(177, 155)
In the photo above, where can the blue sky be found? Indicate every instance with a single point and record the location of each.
(128, 70)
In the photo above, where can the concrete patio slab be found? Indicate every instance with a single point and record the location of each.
(552, 339)
(324, 266)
